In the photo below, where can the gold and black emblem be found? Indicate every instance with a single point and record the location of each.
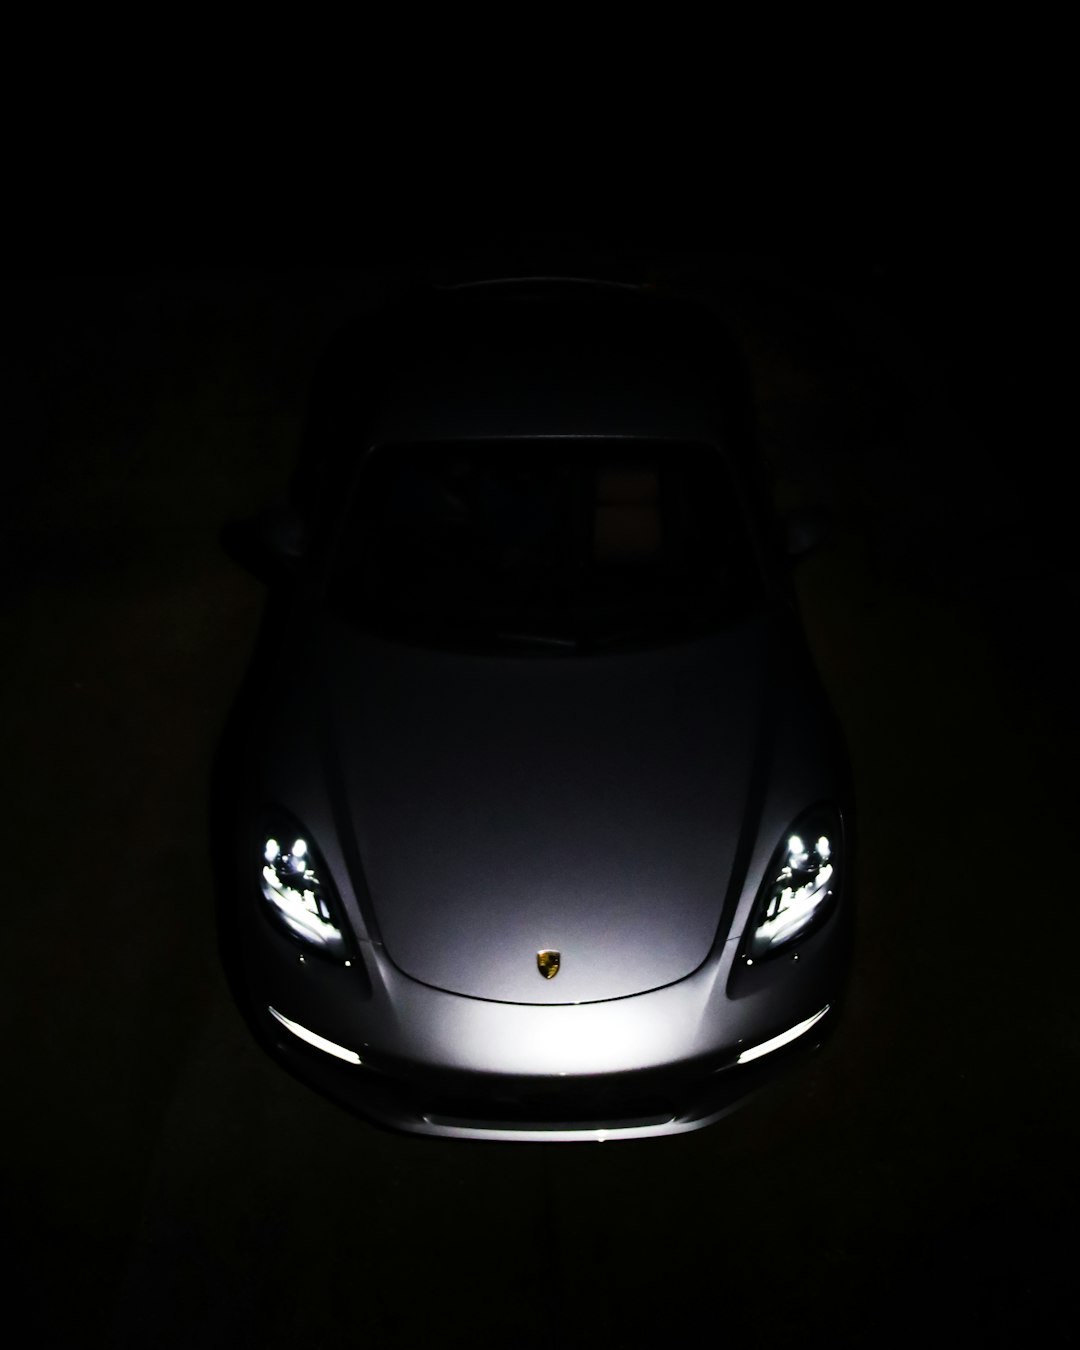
(548, 964)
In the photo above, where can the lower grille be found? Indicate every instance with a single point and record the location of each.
(552, 1109)
(546, 1126)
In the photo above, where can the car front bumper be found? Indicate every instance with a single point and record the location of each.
(631, 1106)
(429, 1062)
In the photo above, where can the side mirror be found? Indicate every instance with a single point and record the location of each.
(271, 545)
(806, 528)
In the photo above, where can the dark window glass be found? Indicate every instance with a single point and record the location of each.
(575, 544)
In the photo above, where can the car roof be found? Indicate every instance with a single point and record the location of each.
(540, 356)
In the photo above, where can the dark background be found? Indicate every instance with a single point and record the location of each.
(165, 1184)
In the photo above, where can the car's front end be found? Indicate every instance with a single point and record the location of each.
(429, 1062)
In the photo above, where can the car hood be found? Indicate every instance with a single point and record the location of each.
(504, 805)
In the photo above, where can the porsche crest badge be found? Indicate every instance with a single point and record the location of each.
(548, 964)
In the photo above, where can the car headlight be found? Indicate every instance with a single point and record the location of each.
(803, 878)
(295, 888)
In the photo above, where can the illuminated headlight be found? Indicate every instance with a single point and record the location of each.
(294, 886)
(802, 881)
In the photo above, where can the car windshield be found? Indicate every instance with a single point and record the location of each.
(550, 545)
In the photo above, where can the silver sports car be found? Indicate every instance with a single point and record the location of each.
(532, 820)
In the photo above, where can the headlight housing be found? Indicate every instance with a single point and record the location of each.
(802, 883)
(296, 889)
